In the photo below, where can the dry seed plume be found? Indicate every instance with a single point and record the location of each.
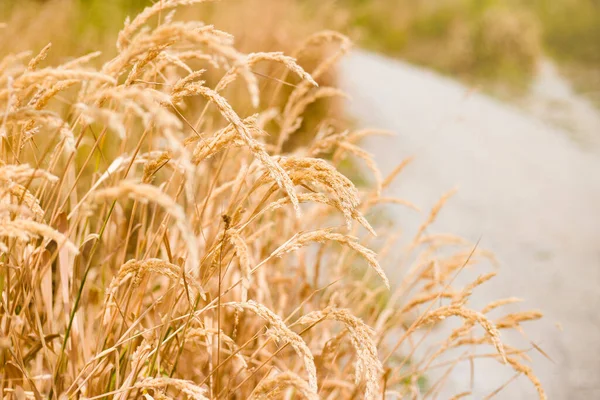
(368, 367)
(273, 388)
(280, 331)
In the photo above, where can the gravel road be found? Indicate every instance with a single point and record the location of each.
(527, 189)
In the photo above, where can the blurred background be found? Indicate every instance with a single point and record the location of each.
(539, 55)
(494, 43)
(500, 98)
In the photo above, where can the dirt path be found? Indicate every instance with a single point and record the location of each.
(528, 190)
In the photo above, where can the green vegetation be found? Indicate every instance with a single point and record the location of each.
(572, 29)
(482, 40)
(470, 39)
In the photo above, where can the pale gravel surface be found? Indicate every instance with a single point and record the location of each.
(527, 189)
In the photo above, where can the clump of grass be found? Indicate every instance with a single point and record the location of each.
(157, 242)
(478, 41)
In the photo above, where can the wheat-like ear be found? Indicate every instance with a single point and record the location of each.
(512, 321)
(460, 395)
(118, 164)
(528, 372)
(193, 334)
(426, 298)
(312, 41)
(145, 103)
(433, 215)
(274, 169)
(138, 358)
(139, 66)
(39, 58)
(325, 235)
(52, 75)
(320, 38)
(178, 59)
(13, 61)
(273, 388)
(154, 164)
(79, 61)
(316, 198)
(21, 194)
(292, 112)
(45, 118)
(25, 229)
(222, 139)
(189, 388)
(6, 209)
(137, 268)
(499, 303)
(45, 95)
(131, 27)
(369, 162)
(280, 331)
(368, 366)
(461, 298)
(468, 315)
(253, 58)
(106, 117)
(289, 62)
(183, 87)
(320, 172)
(22, 172)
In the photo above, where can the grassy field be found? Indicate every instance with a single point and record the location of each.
(161, 238)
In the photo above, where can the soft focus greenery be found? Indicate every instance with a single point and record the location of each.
(471, 39)
(479, 41)
(572, 29)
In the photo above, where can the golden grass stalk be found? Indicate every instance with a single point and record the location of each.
(368, 367)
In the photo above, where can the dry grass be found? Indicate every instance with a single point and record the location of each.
(158, 242)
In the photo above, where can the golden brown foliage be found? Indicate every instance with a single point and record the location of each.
(154, 243)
